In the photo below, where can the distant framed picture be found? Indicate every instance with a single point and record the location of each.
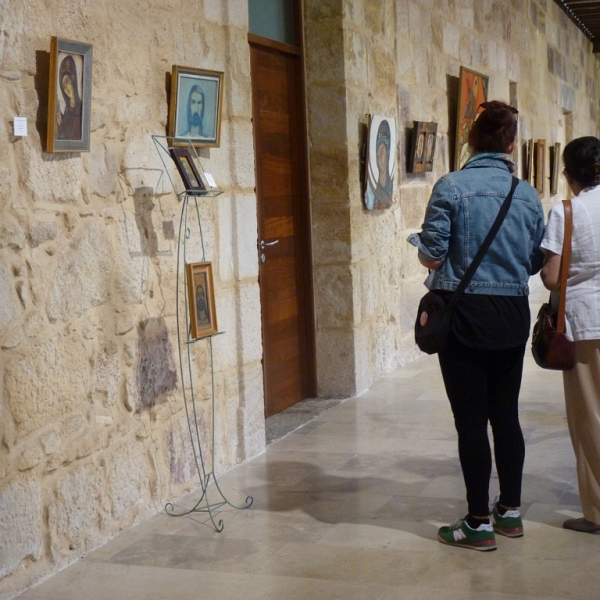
(201, 300)
(422, 148)
(540, 166)
(554, 167)
(473, 91)
(380, 163)
(195, 107)
(190, 175)
(529, 160)
(69, 96)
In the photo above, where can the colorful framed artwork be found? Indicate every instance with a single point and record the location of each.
(201, 300)
(422, 147)
(554, 167)
(69, 96)
(380, 163)
(190, 174)
(195, 107)
(540, 166)
(473, 91)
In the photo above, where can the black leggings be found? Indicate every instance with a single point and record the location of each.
(482, 386)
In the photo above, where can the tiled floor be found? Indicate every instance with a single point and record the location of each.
(348, 507)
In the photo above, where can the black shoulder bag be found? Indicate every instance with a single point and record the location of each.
(435, 310)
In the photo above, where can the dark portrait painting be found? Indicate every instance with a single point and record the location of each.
(69, 96)
(201, 300)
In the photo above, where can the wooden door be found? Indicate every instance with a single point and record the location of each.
(283, 226)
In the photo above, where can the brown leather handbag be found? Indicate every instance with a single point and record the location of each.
(549, 345)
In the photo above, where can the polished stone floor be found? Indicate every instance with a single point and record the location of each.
(347, 507)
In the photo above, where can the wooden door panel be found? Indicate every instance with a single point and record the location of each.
(282, 195)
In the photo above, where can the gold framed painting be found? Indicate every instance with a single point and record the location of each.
(473, 91)
(201, 300)
(195, 107)
(422, 148)
(69, 96)
(540, 166)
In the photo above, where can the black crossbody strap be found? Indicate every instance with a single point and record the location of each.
(486, 243)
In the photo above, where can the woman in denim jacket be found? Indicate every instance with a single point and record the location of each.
(482, 362)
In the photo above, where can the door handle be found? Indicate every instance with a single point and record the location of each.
(264, 244)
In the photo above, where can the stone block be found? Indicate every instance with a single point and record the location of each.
(245, 241)
(107, 374)
(10, 307)
(77, 505)
(182, 464)
(249, 323)
(251, 412)
(46, 381)
(82, 278)
(11, 233)
(336, 375)
(325, 50)
(30, 458)
(327, 116)
(136, 243)
(103, 169)
(21, 532)
(42, 231)
(128, 481)
(334, 301)
(329, 175)
(451, 37)
(331, 235)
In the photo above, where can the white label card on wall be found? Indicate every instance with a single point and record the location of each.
(210, 179)
(20, 126)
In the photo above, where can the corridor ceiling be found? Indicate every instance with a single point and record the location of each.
(586, 15)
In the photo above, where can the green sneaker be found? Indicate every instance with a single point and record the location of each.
(460, 534)
(509, 524)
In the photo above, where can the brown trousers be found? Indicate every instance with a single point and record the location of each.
(582, 395)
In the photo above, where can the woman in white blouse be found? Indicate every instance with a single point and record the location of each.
(582, 383)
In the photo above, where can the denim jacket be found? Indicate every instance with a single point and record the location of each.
(461, 211)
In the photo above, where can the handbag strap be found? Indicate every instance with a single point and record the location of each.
(565, 261)
(489, 238)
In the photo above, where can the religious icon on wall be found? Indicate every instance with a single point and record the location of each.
(195, 106)
(554, 167)
(473, 91)
(540, 166)
(69, 96)
(422, 152)
(380, 163)
(201, 300)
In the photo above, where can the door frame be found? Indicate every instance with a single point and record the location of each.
(303, 211)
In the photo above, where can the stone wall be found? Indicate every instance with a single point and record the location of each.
(402, 60)
(93, 432)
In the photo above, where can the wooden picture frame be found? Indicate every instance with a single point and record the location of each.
(195, 107)
(540, 166)
(422, 147)
(69, 96)
(529, 171)
(473, 91)
(554, 167)
(190, 175)
(201, 300)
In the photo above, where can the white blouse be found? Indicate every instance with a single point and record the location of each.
(583, 283)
